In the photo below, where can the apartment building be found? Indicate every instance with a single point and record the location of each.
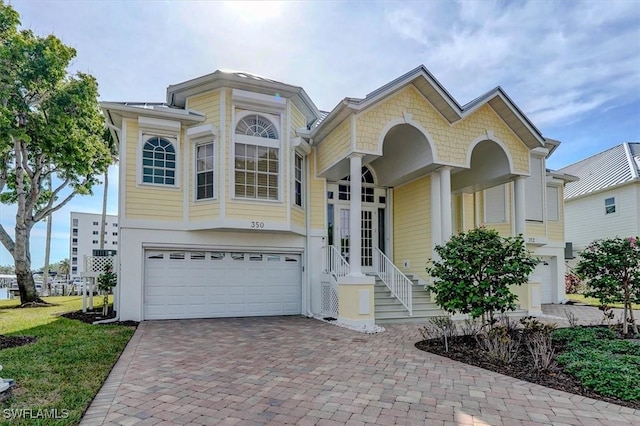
(84, 238)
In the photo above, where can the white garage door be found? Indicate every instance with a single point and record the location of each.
(207, 284)
(543, 275)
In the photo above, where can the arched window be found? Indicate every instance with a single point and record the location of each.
(257, 158)
(256, 125)
(158, 161)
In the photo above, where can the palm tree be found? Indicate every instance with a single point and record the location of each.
(63, 267)
(113, 149)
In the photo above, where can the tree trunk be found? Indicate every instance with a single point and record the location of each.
(26, 284)
(104, 208)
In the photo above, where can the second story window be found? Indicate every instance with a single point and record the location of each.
(204, 171)
(158, 161)
(298, 179)
(610, 205)
(257, 158)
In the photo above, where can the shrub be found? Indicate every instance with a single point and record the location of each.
(499, 344)
(538, 340)
(439, 327)
(106, 281)
(476, 270)
(612, 270)
(572, 284)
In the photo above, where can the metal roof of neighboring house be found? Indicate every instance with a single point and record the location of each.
(607, 169)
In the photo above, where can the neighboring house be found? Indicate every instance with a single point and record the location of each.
(85, 239)
(605, 202)
(238, 197)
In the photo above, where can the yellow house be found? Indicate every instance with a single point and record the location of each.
(238, 197)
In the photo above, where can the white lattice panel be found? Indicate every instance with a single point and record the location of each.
(329, 300)
(97, 264)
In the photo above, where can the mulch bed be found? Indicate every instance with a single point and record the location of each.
(96, 315)
(7, 342)
(465, 349)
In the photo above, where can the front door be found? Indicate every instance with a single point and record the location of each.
(369, 235)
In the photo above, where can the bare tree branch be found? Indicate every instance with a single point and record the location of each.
(47, 212)
(7, 241)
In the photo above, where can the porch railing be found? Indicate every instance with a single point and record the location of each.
(401, 286)
(335, 264)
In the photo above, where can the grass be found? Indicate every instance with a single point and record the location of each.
(64, 369)
(592, 301)
(601, 361)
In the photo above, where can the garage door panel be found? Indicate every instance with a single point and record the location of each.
(188, 284)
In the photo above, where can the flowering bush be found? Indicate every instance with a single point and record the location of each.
(572, 283)
(476, 270)
(612, 270)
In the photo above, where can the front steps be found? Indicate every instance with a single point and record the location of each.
(389, 310)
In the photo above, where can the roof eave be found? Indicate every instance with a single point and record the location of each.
(186, 116)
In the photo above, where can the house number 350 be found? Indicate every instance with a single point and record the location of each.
(257, 225)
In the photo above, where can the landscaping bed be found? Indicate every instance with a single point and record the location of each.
(589, 361)
(93, 315)
(64, 363)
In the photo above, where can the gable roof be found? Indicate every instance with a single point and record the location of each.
(178, 93)
(438, 96)
(607, 169)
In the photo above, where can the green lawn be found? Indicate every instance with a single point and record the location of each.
(64, 369)
(592, 301)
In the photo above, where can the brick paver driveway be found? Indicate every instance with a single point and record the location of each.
(294, 370)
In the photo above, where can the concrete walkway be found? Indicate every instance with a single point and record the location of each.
(294, 370)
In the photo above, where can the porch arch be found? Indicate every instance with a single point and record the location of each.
(406, 151)
(488, 164)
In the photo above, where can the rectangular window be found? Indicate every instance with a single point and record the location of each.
(74, 222)
(610, 205)
(256, 172)
(114, 243)
(74, 241)
(74, 269)
(298, 179)
(534, 189)
(495, 205)
(115, 225)
(95, 241)
(95, 232)
(74, 250)
(95, 223)
(204, 171)
(344, 192)
(115, 234)
(75, 232)
(553, 208)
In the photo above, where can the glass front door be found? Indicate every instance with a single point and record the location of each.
(369, 235)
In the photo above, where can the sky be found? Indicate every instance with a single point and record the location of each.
(572, 67)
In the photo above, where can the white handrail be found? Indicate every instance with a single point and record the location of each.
(335, 264)
(401, 286)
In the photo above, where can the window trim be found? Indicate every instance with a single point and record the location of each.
(295, 181)
(198, 143)
(607, 206)
(276, 119)
(557, 203)
(173, 138)
(505, 205)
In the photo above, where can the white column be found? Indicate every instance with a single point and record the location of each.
(355, 215)
(445, 202)
(436, 211)
(519, 205)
